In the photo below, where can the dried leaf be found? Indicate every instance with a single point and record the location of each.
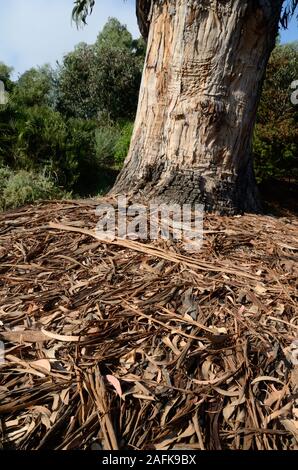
(116, 384)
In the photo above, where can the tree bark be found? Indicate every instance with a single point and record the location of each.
(192, 141)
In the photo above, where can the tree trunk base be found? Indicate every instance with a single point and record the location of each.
(225, 196)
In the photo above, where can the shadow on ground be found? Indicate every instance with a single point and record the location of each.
(279, 197)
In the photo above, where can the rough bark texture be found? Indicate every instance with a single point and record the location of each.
(201, 85)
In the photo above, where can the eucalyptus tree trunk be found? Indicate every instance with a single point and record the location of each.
(205, 64)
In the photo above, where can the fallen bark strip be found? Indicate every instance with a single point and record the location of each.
(156, 251)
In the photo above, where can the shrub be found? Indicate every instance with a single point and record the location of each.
(106, 138)
(5, 174)
(123, 143)
(45, 140)
(21, 187)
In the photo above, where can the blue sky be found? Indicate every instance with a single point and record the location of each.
(35, 32)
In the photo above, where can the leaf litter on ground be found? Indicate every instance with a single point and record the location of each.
(124, 344)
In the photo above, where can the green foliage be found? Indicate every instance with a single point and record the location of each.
(117, 71)
(22, 187)
(41, 143)
(102, 79)
(282, 70)
(106, 138)
(76, 97)
(114, 35)
(276, 154)
(112, 143)
(8, 116)
(36, 87)
(82, 8)
(80, 141)
(123, 143)
(5, 174)
(5, 73)
(276, 132)
(80, 150)
(8, 135)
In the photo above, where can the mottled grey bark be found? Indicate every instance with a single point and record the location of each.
(201, 85)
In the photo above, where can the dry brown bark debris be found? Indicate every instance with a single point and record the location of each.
(139, 346)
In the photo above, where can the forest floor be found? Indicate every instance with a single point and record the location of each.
(130, 345)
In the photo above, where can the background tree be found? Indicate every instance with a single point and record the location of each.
(276, 131)
(36, 87)
(116, 88)
(6, 125)
(5, 74)
(75, 97)
(103, 79)
(201, 86)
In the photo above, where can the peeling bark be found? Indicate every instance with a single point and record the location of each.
(201, 85)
